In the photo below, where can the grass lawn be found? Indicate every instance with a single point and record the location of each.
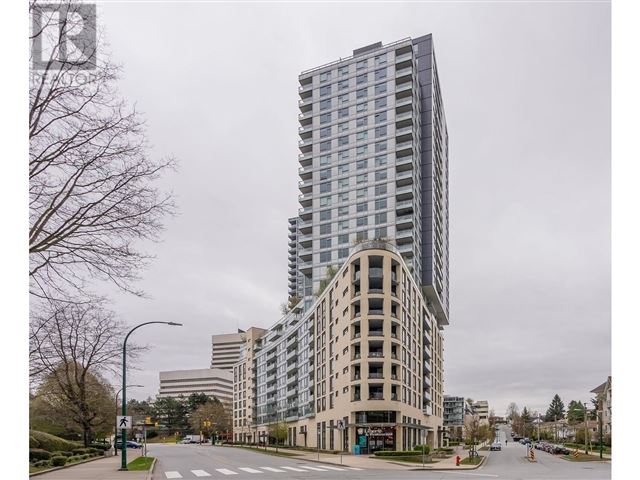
(271, 451)
(584, 458)
(33, 469)
(471, 460)
(140, 463)
(411, 459)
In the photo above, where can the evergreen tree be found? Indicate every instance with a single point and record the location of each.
(575, 413)
(555, 410)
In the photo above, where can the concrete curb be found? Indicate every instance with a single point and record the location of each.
(150, 471)
(454, 468)
(66, 466)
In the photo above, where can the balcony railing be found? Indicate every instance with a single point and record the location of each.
(376, 333)
(376, 354)
(376, 375)
(376, 396)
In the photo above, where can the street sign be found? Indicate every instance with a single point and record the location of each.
(124, 423)
(340, 425)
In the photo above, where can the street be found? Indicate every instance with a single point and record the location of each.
(193, 461)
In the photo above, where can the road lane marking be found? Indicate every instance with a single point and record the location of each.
(353, 468)
(172, 474)
(294, 469)
(313, 468)
(333, 468)
(472, 474)
(271, 469)
(249, 470)
(225, 471)
(200, 473)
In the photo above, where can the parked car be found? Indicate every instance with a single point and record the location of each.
(496, 446)
(560, 450)
(130, 444)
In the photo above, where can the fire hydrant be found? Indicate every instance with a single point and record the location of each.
(457, 460)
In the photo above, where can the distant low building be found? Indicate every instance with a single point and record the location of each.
(481, 409)
(214, 382)
(603, 394)
(453, 420)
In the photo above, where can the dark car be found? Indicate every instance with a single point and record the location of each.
(130, 444)
(496, 446)
(560, 450)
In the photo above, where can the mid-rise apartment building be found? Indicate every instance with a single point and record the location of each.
(453, 416)
(366, 355)
(373, 165)
(603, 395)
(214, 382)
(225, 349)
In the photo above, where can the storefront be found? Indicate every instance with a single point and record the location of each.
(370, 439)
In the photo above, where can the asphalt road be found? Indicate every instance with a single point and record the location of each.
(194, 461)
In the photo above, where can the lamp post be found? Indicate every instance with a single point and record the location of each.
(115, 423)
(123, 465)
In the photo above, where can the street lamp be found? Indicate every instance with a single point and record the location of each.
(115, 422)
(123, 465)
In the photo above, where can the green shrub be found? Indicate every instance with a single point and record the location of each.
(33, 442)
(73, 459)
(396, 453)
(58, 461)
(80, 451)
(51, 443)
(421, 448)
(36, 454)
(42, 463)
(100, 446)
(93, 450)
(61, 454)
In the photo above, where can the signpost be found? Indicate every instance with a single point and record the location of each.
(124, 423)
(341, 430)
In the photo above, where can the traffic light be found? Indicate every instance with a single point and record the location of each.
(156, 424)
(147, 420)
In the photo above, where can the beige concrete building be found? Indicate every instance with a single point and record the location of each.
(225, 349)
(366, 356)
(481, 409)
(210, 381)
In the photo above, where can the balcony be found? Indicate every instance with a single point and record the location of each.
(305, 186)
(405, 115)
(404, 130)
(375, 272)
(377, 375)
(305, 115)
(406, 249)
(404, 57)
(305, 142)
(355, 336)
(305, 267)
(377, 354)
(356, 356)
(405, 87)
(305, 159)
(375, 311)
(403, 72)
(376, 396)
(404, 163)
(404, 207)
(306, 87)
(376, 333)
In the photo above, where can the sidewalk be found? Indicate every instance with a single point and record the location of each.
(103, 469)
(366, 462)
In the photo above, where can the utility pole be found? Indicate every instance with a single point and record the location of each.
(538, 427)
(600, 428)
(586, 451)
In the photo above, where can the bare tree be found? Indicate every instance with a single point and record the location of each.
(92, 184)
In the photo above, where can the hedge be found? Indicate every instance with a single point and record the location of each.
(61, 454)
(36, 454)
(100, 446)
(420, 448)
(42, 463)
(74, 458)
(59, 461)
(51, 443)
(33, 442)
(396, 453)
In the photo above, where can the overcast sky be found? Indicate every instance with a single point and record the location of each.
(526, 91)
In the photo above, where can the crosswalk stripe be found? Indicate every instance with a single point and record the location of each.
(172, 474)
(271, 469)
(249, 470)
(225, 471)
(354, 468)
(294, 469)
(313, 468)
(333, 468)
(200, 473)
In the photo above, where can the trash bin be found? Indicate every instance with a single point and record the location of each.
(356, 449)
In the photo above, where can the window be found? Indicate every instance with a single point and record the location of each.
(381, 160)
(381, 102)
(343, 112)
(361, 107)
(362, 207)
(343, 238)
(380, 88)
(325, 118)
(381, 74)
(343, 99)
(325, 174)
(326, 90)
(381, 218)
(381, 175)
(362, 150)
(381, 131)
(381, 204)
(325, 132)
(343, 252)
(361, 178)
(325, 229)
(381, 117)
(325, 187)
(343, 183)
(361, 135)
(381, 232)
(362, 93)
(325, 77)
(361, 122)
(342, 141)
(342, 211)
(343, 155)
(325, 146)
(361, 221)
(325, 215)
(381, 189)
(361, 235)
(343, 71)
(325, 159)
(361, 193)
(326, 104)
(325, 257)
(342, 169)
(381, 147)
(343, 127)
(360, 79)
(343, 225)
(343, 84)
(381, 60)
(325, 201)
(362, 64)
(360, 164)
(343, 197)
(325, 242)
